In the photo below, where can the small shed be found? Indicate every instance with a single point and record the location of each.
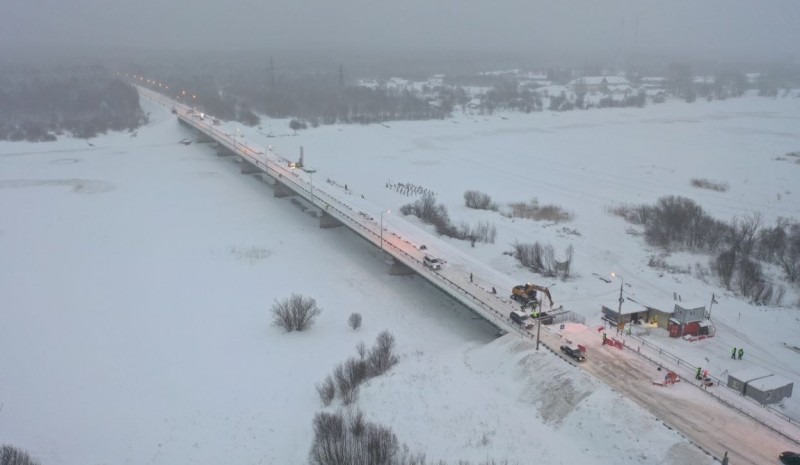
(687, 321)
(761, 385)
(648, 315)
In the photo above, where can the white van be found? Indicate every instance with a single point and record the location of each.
(432, 262)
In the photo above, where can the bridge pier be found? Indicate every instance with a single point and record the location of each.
(326, 221)
(203, 138)
(223, 151)
(249, 168)
(280, 190)
(400, 269)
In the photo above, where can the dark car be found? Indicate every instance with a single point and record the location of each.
(790, 458)
(573, 352)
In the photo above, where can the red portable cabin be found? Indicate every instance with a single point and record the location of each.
(676, 329)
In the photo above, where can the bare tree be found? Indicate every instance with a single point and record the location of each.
(297, 313)
(10, 455)
(748, 276)
(355, 320)
(566, 265)
(725, 265)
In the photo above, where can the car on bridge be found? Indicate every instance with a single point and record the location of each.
(790, 458)
(577, 354)
(522, 319)
(432, 262)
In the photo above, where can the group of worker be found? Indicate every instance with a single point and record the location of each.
(701, 374)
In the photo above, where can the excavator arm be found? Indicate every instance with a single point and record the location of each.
(544, 291)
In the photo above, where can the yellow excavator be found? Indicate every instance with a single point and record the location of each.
(526, 294)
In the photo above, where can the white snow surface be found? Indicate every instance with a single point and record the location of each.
(136, 278)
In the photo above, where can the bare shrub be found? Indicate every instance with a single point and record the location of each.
(330, 438)
(678, 221)
(634, 214)
(482, 232)
(381, 358)
(357, 423)
(771, 242)
(542, 259)
(532, 210)
(743, 233)
(788, 257)
(296, 313)
(353, 441)
(341, 439)
(354, 321)
(724, 266)
(703, 183)
(748, 276)
(566, 265)
(348, 392)
(427, 210)
(356, 370)
(361, 349)
(381, 444)
(327, 391)
(10, 455)
(479, 201)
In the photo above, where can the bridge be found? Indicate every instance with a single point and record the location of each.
(336, 207)
(628, 370)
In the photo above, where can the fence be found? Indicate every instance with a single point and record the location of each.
(663, 354)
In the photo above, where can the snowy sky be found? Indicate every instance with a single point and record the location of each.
(706, 28)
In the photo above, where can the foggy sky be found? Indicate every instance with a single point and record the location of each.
(753, 29)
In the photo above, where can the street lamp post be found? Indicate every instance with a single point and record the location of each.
(234, 139)
(619, 308)
(311, 178)
(382, 213)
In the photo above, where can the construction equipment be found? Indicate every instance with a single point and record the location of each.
(526, 294)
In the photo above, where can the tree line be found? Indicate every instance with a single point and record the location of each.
(739, 249)
(40, 104)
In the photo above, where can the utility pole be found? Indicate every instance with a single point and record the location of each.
(538, 329)
(341, 77)
(619, 309)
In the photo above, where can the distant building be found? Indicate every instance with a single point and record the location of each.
(761, 385)
(647, 315)
(600, 84)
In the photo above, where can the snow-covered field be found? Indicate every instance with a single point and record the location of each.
(137, 275)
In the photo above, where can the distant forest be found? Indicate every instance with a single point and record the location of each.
(39, 104)
(241, 89)
(311, 96)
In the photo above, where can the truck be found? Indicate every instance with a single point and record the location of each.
(525, 294)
